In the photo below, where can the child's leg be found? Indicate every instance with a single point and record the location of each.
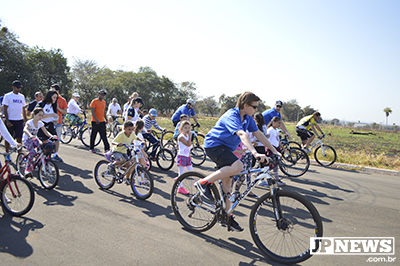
(29, 145)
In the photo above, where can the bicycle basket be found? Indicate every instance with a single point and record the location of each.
(48, 147)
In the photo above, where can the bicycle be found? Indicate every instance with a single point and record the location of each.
(141, 181)
(81, 130)
(197, 152)
(325, 155)
(48, 172)
(114, 127)
(16, 193)
(163, 157)
(281, 222)
(295, 161)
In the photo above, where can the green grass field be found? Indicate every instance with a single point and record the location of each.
(381, 150)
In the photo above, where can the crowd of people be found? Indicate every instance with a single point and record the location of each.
(239, 138)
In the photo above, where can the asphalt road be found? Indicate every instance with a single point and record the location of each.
(79, 224)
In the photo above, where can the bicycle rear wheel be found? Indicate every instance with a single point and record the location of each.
(103, 178)
(325, 155)
(21, 163)
(294, 144)
(294, 163)
(189, 208)
(17, 198)
(288, 240)
(198, 155)
(85, 137)
(198, 140)
(49, 174)
(165, 159)
(168, 142)
(142, 183)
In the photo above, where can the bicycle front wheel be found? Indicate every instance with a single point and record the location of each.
(294, 163)
(66, 134)
(325, 155)
(165, 159)
(198, 155)
(168, 142)
(21, 163)
(17, 198)
(294, 144)
(287, 240)
(189, 208)
(103, 178)
(49, 174)
(85, 137)
(142, 183)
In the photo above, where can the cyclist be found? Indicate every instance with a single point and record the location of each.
(186, 109)
(223, 139)
(182, 118)
(113, 110)
(276, 111)
(149, 122)
(74, 110)
(132, 113)
(303, 129)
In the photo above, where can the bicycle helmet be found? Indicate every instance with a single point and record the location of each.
(191, 101)
(153, 112)
(48, 147)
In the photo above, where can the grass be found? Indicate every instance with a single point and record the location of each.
(380, 150)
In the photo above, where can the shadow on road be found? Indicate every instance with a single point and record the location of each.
(54, 197)
(14, 233)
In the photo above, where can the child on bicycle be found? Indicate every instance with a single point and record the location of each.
(119, 151)
(183, 159)
(30, 139)
(273, 132)
(139, 125)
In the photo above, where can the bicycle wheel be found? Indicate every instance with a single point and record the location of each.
(85, 137)
(17, 198)
(198, 140)
(287, 240)
(294, 163)
(142, 183)
(165, 159)
(109, 130)
(166, 137)
(189, 209)
(116, 129)
(198, 155)
(103, 178)
(48, 174)
(21, 163)
(325, 155)
(294, 144)
(148, 163)
(66, 134)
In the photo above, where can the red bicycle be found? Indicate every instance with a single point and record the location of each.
(16, 194)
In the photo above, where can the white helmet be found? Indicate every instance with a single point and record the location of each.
(191, 101)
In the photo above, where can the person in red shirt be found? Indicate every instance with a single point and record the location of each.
(99, 120)
(62, 108)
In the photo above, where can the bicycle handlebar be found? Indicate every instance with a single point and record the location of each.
(12, 150)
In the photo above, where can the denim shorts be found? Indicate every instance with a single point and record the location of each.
(118, 155)
(221, 155)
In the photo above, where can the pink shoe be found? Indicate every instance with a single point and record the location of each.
(183, 191)
(176, 178)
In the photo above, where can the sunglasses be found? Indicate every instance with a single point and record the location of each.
(255, 107)
(278, 106)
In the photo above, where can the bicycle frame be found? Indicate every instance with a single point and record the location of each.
(6, 170)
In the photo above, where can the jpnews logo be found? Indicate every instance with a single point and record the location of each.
(352, 245)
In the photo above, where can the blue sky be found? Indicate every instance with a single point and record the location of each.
(340, 57)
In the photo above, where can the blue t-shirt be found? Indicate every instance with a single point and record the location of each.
(184, 109)
(224, 131)
(269, 114)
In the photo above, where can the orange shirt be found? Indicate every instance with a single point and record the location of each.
(99, 108)
(62, 103)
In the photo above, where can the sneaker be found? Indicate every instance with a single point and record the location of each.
(111, 169)
(92, 151)
(205, 191)
(7, 158)
(108, 157)
(56, 158)
(27, 172)
(183, 191)
(8, 201)
(107, 151)
(235, 226)
(176, 178)
(263, 183)
(280, 183)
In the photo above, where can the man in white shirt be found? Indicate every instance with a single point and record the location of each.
(114, 109)
(15, 113)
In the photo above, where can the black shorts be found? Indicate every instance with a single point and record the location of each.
(221, 155)
(304, 134)
(50, 128)
(175, 122)
(16, 129)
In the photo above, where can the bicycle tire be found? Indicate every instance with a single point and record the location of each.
(103, 179)
(85, 138)
(330, 154)
(52, 176)
(300, 218)
(24, 196)
(294, 144)
(198, 155)
(116, 130)
(66, 134)
(142, 183)
(295, 163)
(165, 159)
(108, 130)
(21, 162)
(166, 137)
(189, 215)
(171, 146)
(199, 140)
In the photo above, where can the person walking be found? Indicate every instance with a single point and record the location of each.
(15, 113)
(62, 108)
(276, 111)
(99, 119)
(32, 104)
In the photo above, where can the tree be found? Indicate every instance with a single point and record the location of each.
(334, 122)
(208, 106)
(387, 111)
(227, 102)
(308, 110)
(291, 111)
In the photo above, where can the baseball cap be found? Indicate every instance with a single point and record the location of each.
(102, 92)
(153, 112)
(75, 94)
(17, 84)
(139, 100)
(279, 103)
